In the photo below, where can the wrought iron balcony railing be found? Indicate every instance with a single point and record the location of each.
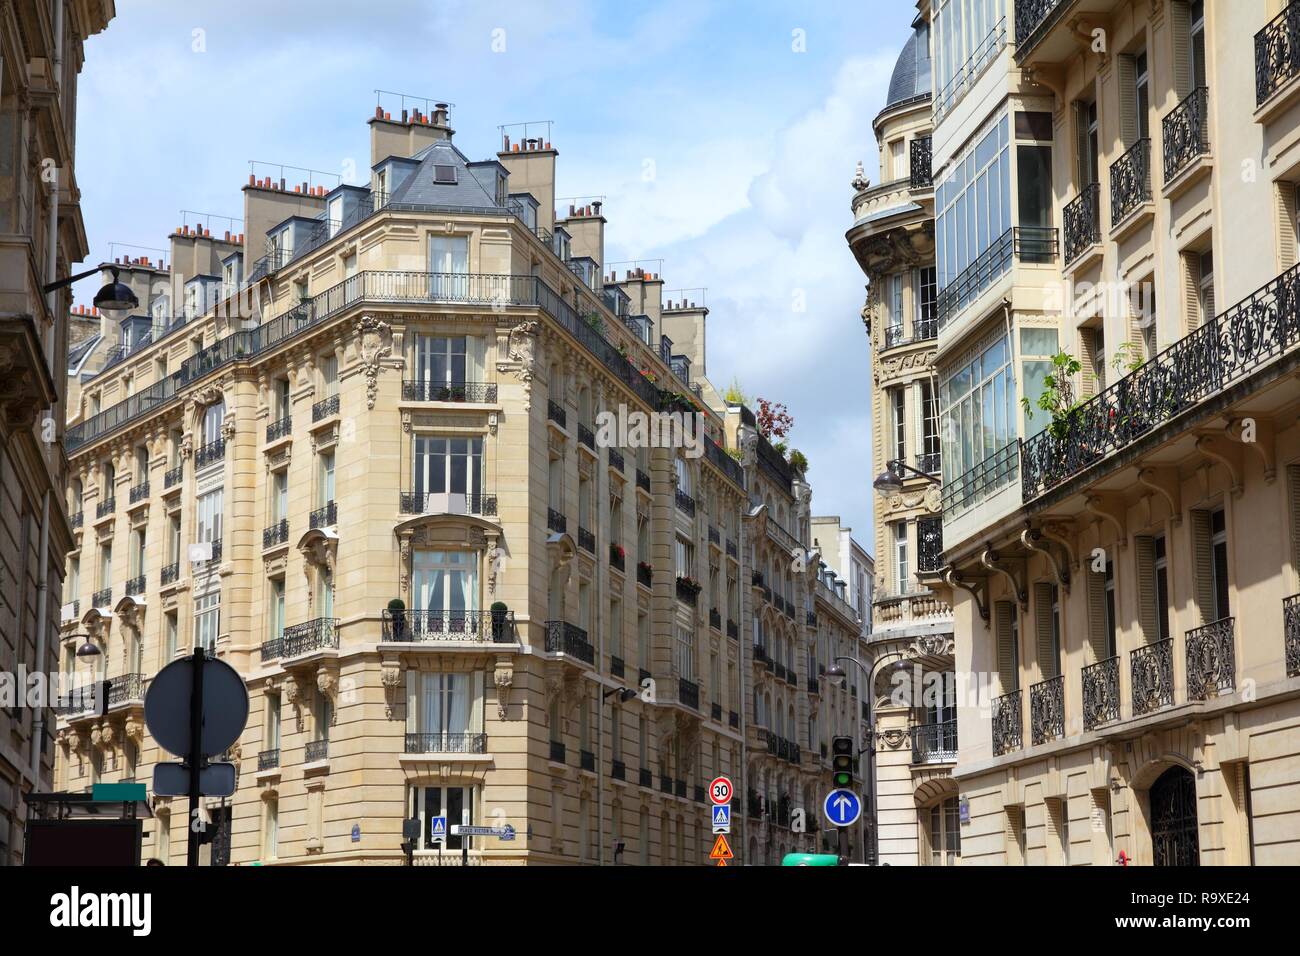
(586, 436)
(617, 556)
(1291, 633)
(558, 751)
(77, 519)
(645, 777)
(324, 517)
(921, 160)
(586, 540)
(173, 476)
(565, 638)
(642, 480)
(733, 630)
(644, 574)
(105, 507)
(1130, 181)
(586, 760)
(1082, 220)
(429, 391)
(685, 503)
(138, 493)
(1186, 132)
(316, 750)
(325, 408)
(1047, 710)
(278, 533)
(555, 412)
(1101, 693)
(555, 521)
(102, 598)
(416, 625)
(688, 591)
(170, 573)
(1008, 723)
(618, 770)
(733, 550)
(135, 585)
(211, 453)
(315, 635)
(124, 688)
(895, 335)
(688, 693)
(1032, 20)
(446, 743)
(1151, 670)
(929, 544)
(733, 719)
(1031, 244)
(271, 649)
(1277, 53)
(965, 75)
(715, 618)
(934, 743)
(446, 503)
(268, 759)
(995, 472)
(1220, 353)
(279, 428)
(615, 457)
(1211, 661)
(617, 666)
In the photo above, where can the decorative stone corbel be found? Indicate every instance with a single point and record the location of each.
(1220, 449)
(390, 675)
(976, 589)
(521, 352)
(1164, 481)
(375, 343)
(1033, 540)
(1062, 535)
(995, 562)
(504, 678)
(327, 681)
(1112, 510)
(292, 692)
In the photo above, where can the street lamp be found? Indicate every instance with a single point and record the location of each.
(890, 481)
(114, 296)
(88, 649)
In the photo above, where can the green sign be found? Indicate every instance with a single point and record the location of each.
(117, 792)
(810, 859)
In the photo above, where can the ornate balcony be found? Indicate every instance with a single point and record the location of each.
(586, 436)
(102, 598)
(173, 476)
(315, 635)
(325, 408)
(446, 743)
(135, 586)
(587, 540)
(615, 458)
(1101, 693)
(715, 536)
(733, 550)
(1291, 633)
(555, 521)
(418, 626)
(733, 630)
(1008, 723)
(1186, 133)
(125, 688)
(105, 508)
(278, 429)
(688, 693)
(268, 759)
(77, 519)
(715, 618)
(934, 743)
(685, 503)
(209, 454)
(1082, 219)
(929, 544)
(558, 752)
(1152, 676)
(1211, 662)
(645, 777)
(324, 517)
(443, 503)
(316, 750)
(138, 493)
(278, 533)
(618, 770)
(642, 480)
(170, 573)
(555, 412)
(688, 591)
(1220, 353)
(921, 160)
(1047, 710)
(1277, 53)
(565, 638)
(586, 760)
(1130, 181)
(644, 574)
(422, 391)
(1032, 19)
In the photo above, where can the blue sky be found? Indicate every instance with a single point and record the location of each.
(719, 147)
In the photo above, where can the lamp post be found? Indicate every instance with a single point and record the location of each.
(114, 296)
(837, 673)
(890, 481)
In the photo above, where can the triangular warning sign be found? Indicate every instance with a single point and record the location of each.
(439, 826)
(721, 849)
(722, 862)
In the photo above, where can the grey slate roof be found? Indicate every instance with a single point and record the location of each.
(420, 187)
(912, 71)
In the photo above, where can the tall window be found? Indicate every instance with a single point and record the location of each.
(1037, 346)
(445, 581)
(213, 417)
(283, 404)
(894, 304)
(979, 408)
(448, 360)
(1110, 610)
(945, 833)
(900, 557)
(279, 495)
(329, 374)
(923, 282)
(209, 516)
(271, 829)
(1198, 43)
(973, 203)
(324, 478)
(451, 469)
(685, 556)
(929, 418)
(684, 652)
(207, 621)
(898, 425)
(448, 266)
(275, 615)
(1162, 586)
(1219, 563)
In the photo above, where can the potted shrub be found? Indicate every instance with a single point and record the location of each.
(397, 612)
(499, 611)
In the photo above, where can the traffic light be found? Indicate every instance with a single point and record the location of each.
(841, 762)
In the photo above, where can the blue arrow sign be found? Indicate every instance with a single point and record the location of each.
(842, 808)
(722, 818)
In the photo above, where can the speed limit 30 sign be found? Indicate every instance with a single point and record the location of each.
(720, 790)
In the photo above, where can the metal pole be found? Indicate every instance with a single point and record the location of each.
(195, 755)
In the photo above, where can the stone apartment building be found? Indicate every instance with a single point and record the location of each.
(357, 449)
(42, 50)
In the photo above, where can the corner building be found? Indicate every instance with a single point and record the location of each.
(1116, 182)
(353, 449)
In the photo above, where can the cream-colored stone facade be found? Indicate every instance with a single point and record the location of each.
(1121, 569)
(42, 50)
(400, 398)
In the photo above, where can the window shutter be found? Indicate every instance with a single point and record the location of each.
(1192, 287)
(1293, 499)
(1043, 623)
(412, 701)
(1088, 371)
(1137, 341)
(1082, 172)
(476, 702)
(1097, 615)
(1128, 124)
(1286, 224)
(1006, 649)
(1180, 22)
(1146, 588)
(1202, 559)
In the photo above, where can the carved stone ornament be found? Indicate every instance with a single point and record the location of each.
(521, 351)
(376, 343)
(504, 678)
(135, 729)
(895, 365)
(860, 180)
(291, 690)
(893, 739)
(390, 676)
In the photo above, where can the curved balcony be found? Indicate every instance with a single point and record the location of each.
(418, 626)
(446, 743)
(447, 503)
(319, 634)
(934, 743)
(1277, 54)
(460, 392)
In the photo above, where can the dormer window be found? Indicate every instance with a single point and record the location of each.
(444, 174)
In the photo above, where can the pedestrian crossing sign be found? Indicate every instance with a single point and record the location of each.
(438, 830)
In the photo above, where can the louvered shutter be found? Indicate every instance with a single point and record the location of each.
(1082, 160)
(1128, 118)
(1203, 565)
(1293, 500)
(1207, 299)
(1097, 615)
(1137, 341)
(476, 702)
(1286, 224)
(1192, 289)
(412, 701)
(1180, 21)
(1006, 648)
(1087, 361)
(1043, 624)
(1145, 555)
